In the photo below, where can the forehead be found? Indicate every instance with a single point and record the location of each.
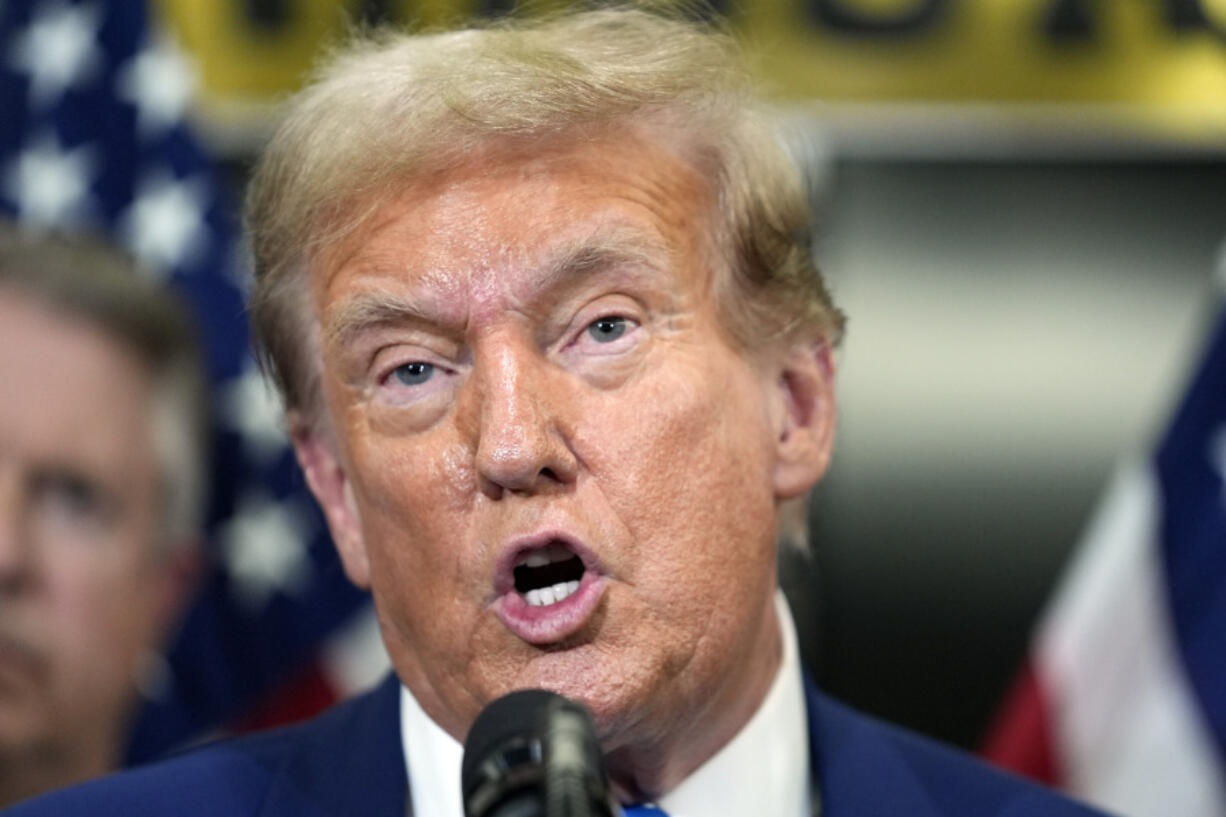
(522, 215)
(73, 396)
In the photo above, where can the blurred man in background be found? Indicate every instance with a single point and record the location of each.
(102, 434)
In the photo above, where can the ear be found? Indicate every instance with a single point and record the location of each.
(805, 417)
(179, 569)
(316, 450)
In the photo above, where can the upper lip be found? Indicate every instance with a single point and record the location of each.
(504, 568)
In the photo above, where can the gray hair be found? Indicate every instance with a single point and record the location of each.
(91, 280)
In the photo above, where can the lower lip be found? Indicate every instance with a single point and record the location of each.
(551, 623)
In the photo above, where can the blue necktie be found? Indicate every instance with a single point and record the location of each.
(643, 811)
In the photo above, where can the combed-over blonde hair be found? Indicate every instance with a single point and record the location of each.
(391, 104)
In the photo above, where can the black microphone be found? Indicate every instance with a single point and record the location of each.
(533, 753)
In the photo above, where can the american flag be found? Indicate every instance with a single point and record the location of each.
(1123, 700)
(94, 101)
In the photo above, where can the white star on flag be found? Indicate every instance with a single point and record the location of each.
(57, 50)
(164, 227)
(356, 657)
(51, 185)
(249, 406)
(264, 551)
(159, 82)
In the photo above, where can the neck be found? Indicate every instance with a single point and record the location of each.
(646, 770)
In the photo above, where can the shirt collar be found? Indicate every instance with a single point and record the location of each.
(432, 760)
(764, 769)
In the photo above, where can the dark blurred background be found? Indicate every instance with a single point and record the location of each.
(1015, 327)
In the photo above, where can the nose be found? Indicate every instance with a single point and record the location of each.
(14, 549)
(521, 447)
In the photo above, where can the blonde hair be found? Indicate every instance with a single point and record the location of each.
(391, 104)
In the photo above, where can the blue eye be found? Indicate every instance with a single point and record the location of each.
(607, 329)
(413, 374)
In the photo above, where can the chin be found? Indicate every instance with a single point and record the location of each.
(574, 673)
(621, 695)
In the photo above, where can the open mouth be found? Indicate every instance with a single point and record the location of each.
(548, 574)
(547, 586)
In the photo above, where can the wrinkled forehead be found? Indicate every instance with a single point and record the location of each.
(508, 161)
(460, 297)
(516, 218)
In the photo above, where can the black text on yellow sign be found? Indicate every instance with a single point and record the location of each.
(1166, 56)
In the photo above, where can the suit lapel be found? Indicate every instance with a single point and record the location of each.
(855, 771)
(349, 762)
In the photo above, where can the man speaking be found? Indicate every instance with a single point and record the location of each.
(557, 366)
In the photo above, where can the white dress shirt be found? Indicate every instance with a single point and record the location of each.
(764, 769)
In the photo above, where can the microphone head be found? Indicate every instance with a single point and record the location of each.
(505, 720)
(503, 751)
(533, 752)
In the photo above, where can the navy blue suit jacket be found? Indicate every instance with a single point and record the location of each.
(349, 763)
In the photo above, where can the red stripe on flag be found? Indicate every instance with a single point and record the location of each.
(1020, 739)
(306, 694)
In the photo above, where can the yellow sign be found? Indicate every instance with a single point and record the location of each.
(1164, 60)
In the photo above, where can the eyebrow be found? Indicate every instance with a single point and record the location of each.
(370, 310)
(376, 308)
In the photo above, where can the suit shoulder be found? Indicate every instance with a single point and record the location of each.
(221, 778)
(308, 769)
(862, 754)
(966, 784)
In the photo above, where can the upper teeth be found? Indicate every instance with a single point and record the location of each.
(551, 595)
(547, 555)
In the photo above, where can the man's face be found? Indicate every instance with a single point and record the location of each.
(79, 577)
(528, 386)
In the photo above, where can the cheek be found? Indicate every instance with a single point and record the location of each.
(104, 616)
(411, 491)
(687, 471)
(415, 509)
(414, 505)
